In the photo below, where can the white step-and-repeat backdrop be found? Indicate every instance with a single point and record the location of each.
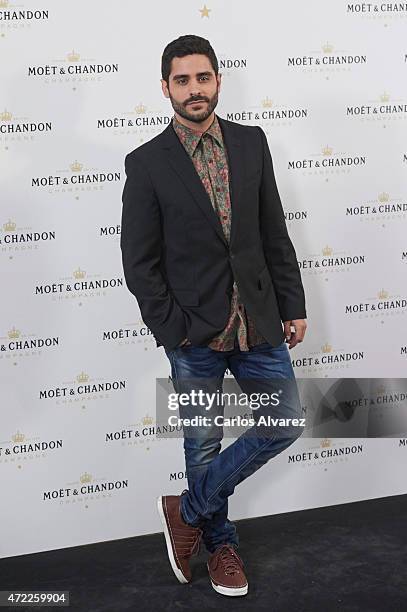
(80, 88)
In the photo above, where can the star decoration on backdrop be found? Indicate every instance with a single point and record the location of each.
(204, 11)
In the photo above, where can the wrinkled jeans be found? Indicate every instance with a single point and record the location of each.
(213, 475)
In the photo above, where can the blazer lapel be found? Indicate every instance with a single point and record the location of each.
(236, 172)
(183, 165)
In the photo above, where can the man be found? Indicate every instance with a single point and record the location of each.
(206, 252)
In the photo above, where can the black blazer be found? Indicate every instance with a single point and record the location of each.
(176, 259)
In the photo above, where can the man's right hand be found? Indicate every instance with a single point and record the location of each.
(184, 342)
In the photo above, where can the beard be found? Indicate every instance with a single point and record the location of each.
(197, 117)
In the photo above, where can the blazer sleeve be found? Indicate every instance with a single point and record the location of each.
(141, 246)
(278, 249)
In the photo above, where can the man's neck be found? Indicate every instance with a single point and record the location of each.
(197, 127)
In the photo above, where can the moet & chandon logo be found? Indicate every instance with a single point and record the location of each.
(329, 261)
(82, 387)
(327, 162)
(132, 333)
(18, 344)
(377, 10)
(21, 445)
(382, 208)
(269, 112)
(13, 128)
(140, 120)
(379, 109)
(327, 452)
(381, 305)
(79, 285)
(13, 238)
(143, 433)
(72, 68)
(326, 59)
(76, 177)
(86, 488)
(14, 16)
(327, 358)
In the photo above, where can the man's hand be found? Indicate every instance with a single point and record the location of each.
(293, 337)
(184, 342)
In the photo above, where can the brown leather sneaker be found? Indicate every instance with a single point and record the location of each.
(225, 569)
(182, 539)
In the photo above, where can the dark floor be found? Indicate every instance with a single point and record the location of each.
(350, 557)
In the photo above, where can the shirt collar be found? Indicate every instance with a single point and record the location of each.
(190, 138)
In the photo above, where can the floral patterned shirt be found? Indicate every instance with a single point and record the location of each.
(209, 157)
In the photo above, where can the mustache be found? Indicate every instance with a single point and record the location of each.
(196, 100)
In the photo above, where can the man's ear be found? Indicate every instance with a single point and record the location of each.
(219, 79)
(164, 88)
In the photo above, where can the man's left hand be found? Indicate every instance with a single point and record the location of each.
(296, 335)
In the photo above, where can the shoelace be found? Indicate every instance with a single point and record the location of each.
(191, 545)
(229, 560)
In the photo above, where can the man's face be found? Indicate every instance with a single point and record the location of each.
(192, 87)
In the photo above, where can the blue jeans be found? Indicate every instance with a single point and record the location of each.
(213, 475)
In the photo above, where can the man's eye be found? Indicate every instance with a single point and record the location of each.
(181, 81)
(204, 77)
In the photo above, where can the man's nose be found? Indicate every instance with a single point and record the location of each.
(195, 89)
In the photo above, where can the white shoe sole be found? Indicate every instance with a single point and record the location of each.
(168, 542)
(228, 591)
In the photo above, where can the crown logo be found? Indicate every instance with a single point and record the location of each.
(325, 443)
(79, 274)
(5, 115)
(73, 56)
(85, 477)
(82, 377)
(140, 108)
(267, 103)
(327, 251)
(10, 226)
(327, 47)
(14, 333)
(381, 390)
(383, 294)
(76, 166)
(384, 97)
(326, 348)
(383, 197)
(18, 437)
(327, 150)
(147, 420)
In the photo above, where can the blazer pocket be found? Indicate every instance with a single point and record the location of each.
(186, 297)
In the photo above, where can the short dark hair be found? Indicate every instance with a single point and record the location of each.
(187, 45)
